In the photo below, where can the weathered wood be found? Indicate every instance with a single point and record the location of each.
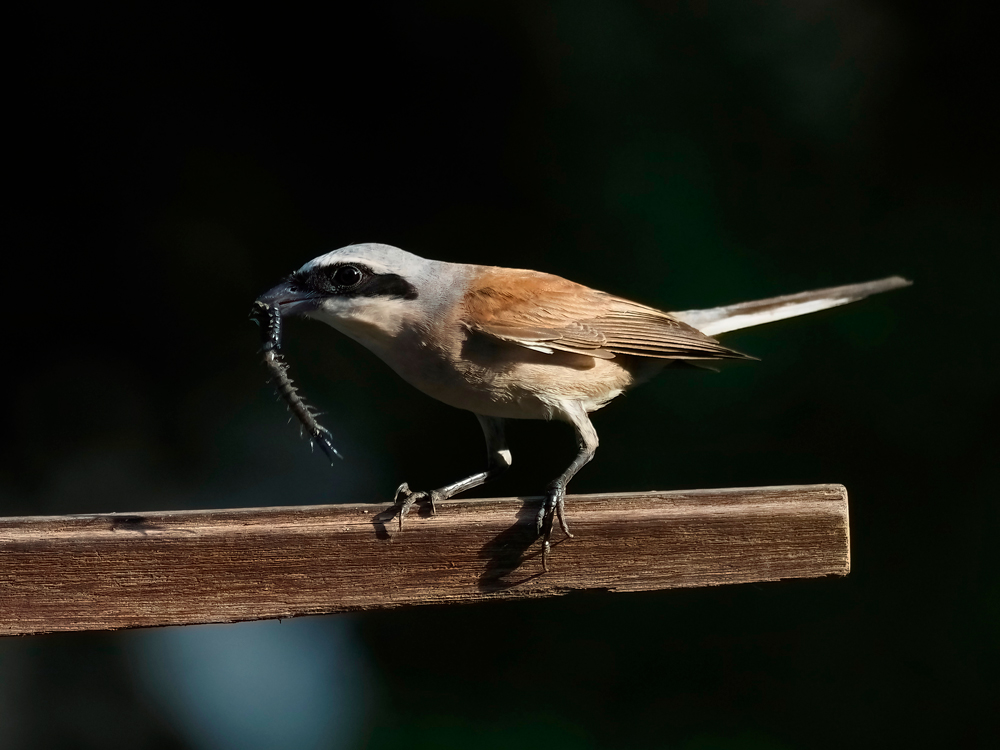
(109, 571)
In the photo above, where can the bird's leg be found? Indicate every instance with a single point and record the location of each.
(555, 493)
(498, 457)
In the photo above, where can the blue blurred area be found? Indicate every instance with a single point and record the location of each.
(300, 683)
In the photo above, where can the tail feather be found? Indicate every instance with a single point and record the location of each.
(718, 320)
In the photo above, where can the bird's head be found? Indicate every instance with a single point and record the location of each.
(367, 291)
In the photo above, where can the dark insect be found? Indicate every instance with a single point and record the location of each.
(268, 317)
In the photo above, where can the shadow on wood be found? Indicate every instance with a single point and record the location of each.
(109, 571)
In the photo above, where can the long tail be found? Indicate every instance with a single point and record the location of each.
(718, 320)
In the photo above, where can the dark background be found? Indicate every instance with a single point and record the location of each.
(165, 167)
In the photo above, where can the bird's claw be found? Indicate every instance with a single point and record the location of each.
(405, 499)
(553, 507)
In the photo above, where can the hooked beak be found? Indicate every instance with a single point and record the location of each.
(290, 299)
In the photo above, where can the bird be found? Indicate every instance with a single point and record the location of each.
(506, 343)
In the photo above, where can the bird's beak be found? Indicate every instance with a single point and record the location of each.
(290, 299)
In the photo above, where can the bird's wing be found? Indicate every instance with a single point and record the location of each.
(547, 313)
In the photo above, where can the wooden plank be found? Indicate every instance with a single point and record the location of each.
(120, 570)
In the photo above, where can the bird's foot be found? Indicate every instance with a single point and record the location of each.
(553, 507)
(404, 500)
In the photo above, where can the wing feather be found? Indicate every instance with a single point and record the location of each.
(547, 313)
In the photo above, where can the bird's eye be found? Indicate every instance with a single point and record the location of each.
(347, 276)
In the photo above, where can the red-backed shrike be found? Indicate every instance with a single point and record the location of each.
(506, 343)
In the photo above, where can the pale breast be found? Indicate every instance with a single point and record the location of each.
(505, 380)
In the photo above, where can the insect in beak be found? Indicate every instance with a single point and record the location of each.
(267, 314)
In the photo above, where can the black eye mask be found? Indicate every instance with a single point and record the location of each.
(353, 280)
(268, 317)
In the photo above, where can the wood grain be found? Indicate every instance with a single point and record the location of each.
(109, 571)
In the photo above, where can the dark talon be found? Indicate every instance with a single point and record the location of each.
(560, 509)
(553, 507)
(408, 498)
(404, 499)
